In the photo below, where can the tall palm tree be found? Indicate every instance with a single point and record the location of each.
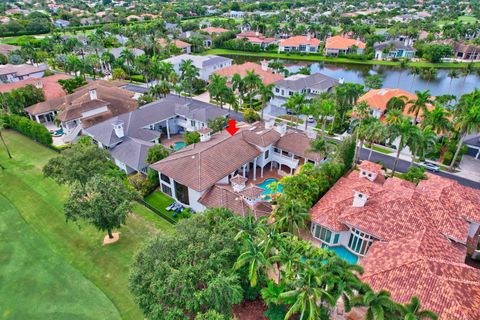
(421, 103)
(467, 121)
(375, 132)
(423, 142)
(404, 131)
(216, 87)
(413, 311)
(266, 94)
(165, 69)
(252, 83)
(324, 108)
(438, 119)
(380, 305)
(429, 74)
(189, 72)
(362, 115)
(308, 290)
(143, 63)
(401, 66)
(2, 127)
(453, 74)
(291, 216)
(254, 257)
(238, 85)
(128, 56)
(397, 102)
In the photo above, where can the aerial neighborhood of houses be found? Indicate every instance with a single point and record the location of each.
(240, 160)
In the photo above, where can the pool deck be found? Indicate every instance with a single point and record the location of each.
(266, 175)
(170, 142)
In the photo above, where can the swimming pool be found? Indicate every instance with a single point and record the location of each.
(343, 253)
(179, 145)
(264, 185)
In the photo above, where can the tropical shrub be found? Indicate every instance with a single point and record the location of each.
(250, 115)
(30, 128)
(191, 137)
(415, 174)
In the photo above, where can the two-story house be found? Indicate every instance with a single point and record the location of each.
(206, 64)
(196, 174)
(129, 136)
(305, 44)
(338, 45)
(410, 239)
(311, 85)
(393, 49)
(12, 73)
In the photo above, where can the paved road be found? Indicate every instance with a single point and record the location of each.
(403, 165)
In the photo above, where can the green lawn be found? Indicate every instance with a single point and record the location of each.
(161, 201)
(380, 149)
(318, 58)
(50, 269)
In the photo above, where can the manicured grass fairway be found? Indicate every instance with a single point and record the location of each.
(50, 269)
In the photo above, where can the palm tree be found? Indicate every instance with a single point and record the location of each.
(256, 260)
(162, 88)
(401, 66)
(308, 290)
(324, 108)
(415, 71)
(422, 142)
(380, 305)
(296, 103)
(438, 119)
(266, 94)
(375, 132)
(143, 63)
(453, 74)
(362, 115)
(128, 56)
(291, 216)
(165, 69)
(189, 72)
(397, 102)
(421, 103)
(252, 83)
(238, 85)
(404, 131)
(321, 146)
(216, 87)
(413, 311)
(467, 121)
(2, 127)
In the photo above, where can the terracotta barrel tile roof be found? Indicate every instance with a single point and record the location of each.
(299, 40)
(241, 69)
(338, 42)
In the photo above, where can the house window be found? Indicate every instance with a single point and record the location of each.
(267, 152)
(323, 234)
(277, 90)
(276, 150)
(192, 122)
(166, 190)
(181, 192)
(165, 178)
(359, 241)
(336, 238)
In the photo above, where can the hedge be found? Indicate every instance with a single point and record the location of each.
(30, 128)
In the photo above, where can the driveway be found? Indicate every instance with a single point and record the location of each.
(469, 168)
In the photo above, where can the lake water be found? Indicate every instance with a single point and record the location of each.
(392, 78)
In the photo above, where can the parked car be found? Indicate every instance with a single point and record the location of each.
(429, 166)
(311, 119)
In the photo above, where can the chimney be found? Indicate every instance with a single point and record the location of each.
(238, 183)
(93, 94)
(264, 65)
(281, 128)
(257, 34)
(38, 84)
(204, 134)
(359, 199)
(309, 37)
(118, 127)
(269, 123)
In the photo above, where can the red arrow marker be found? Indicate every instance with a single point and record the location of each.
(232, 127)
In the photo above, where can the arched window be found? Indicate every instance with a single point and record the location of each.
(359, 241)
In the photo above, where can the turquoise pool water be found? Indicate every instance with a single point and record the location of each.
(343, 253)
(179, 145)
(264, 185)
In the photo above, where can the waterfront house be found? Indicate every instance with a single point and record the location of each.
(305, 44)
(206, 64)
(338, 45)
